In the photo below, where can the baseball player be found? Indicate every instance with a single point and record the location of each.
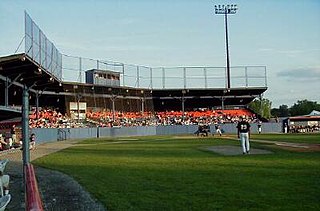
(244, 135)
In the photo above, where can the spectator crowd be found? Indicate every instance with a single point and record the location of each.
(51, 118)
(304, 128)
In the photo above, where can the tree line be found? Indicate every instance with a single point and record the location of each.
(262, 107)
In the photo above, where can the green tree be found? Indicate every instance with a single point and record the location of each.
(261, 107)
(303, 107)
(282, 111)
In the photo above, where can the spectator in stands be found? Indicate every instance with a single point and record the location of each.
(3, 144)
(13, 133)
(10, 143)
(243, 128)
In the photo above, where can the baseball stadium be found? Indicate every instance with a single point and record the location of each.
(117, 136)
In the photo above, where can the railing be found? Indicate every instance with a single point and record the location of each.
(139, 76)
(33, 199)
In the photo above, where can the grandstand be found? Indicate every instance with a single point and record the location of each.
(112, 86)
(117, 87)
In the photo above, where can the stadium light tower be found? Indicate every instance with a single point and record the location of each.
(226, 10)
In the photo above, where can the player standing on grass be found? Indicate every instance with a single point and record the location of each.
(244, 135)
(259, 127)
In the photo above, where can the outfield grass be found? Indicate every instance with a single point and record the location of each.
(163, 173)
(313, 138)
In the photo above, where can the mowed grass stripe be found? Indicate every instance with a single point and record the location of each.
(177, 175)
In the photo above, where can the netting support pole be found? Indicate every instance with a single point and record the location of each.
(123, 84)
(205, 78)
(265, 76)
(138, 77)
(246, 75)
(80, 70)
(163, 78)
(151, 82)
(184, 78)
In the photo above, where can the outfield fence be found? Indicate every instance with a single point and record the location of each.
(58, 134)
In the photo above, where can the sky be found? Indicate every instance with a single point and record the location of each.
(283, 35)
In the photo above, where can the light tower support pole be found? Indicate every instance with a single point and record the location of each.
(226, 10)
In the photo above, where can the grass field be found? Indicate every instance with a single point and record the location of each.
(170, 173)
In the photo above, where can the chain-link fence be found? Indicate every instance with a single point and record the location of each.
(41, 50)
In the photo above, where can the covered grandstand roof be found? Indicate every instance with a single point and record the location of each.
(313, 116)
(20, 69)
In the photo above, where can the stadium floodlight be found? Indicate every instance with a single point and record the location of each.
(226, 10)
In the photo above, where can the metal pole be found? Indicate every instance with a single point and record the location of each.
(113, 108)
(142, 104)
(40, 62)
(246, 75)
(183, 105)
(227, 49)
(163, 78)
(265, 77)
(6, 94)
(261, 109)
(184, 78)
(37, 105)
(78, 107)
(222, 103)
(225, 10)
(25, 126)
(138, 77)
(151, 85)
(123, 84)
(205, 78)
(80, 71)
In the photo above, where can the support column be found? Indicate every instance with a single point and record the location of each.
(25, 126)
(222, 103)
(37, 105)
(6, 93)
(183, 99)
(142, 104)
(113, 108)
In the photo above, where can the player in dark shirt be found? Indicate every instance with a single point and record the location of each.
(259, 127)
(244, 135)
